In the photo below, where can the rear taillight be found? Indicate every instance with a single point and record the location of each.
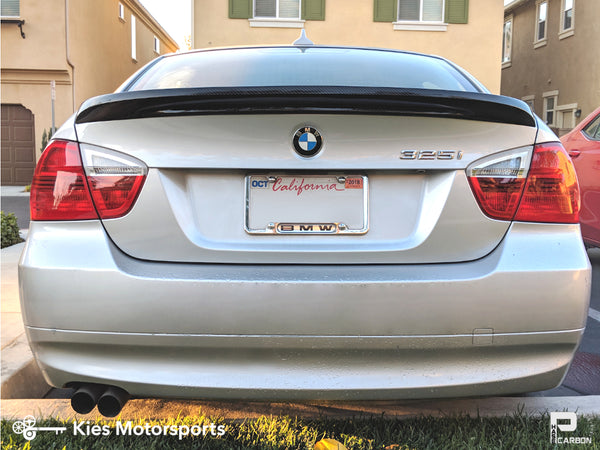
(115, 180)
(106, 184)
(497, 182)
(59, 188)
(508, 187)
(552, 192)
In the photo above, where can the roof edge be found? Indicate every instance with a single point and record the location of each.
(141, 11)
(514, 5)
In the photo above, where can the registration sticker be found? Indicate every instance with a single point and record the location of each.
(354, 183)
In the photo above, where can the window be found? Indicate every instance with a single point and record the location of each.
(278, 13)
(421, 15)
(567, 19)
(592, 130)
(291, 67)
(540, 27)
(156, 45)
(565, 116)
(530, 100)
(10, 8)
(421, 10)
(507, 42)
(550, 101)
(133, 40)
(121, 12)
(277, 9)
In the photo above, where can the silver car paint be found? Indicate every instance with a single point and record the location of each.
(193, 205)
(264, 142)
(94, 314)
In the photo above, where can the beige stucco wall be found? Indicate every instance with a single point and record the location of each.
(100, 51)
(571, 65)
(476, 46)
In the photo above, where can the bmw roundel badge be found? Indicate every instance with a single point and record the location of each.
(307, 141)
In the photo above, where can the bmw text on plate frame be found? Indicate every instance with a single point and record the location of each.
(469, 276)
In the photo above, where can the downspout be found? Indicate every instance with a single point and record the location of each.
(192, 30)
(69, 52)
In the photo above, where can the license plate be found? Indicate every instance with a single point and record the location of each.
(306, 204)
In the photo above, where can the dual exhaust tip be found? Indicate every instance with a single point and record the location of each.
(109, 399)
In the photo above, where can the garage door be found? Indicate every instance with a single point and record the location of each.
(18, 145)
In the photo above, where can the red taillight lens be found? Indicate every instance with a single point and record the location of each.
(114, 196)
(507, 187)
(115, 180)
(62, 183)
(498, 197)
(552, 192)
(59, 189)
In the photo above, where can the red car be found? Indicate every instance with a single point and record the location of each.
(583, 144)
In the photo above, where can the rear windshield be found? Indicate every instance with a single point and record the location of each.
(301, 66)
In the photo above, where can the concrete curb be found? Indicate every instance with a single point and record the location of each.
(21, 377)
(162, 409)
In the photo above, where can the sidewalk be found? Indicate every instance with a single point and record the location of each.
(20, 375)
(13, 191)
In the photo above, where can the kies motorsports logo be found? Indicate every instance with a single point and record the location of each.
(27, 427)
(565, 422)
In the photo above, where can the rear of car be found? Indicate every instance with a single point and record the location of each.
(305, 223)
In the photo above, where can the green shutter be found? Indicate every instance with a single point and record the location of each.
(385, 10)
(240, 9)
(457, 11)
(313, 9)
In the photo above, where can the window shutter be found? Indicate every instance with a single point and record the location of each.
(313, 9)
(385, 11)
(240, 9)
(10, 8)
(457, 11)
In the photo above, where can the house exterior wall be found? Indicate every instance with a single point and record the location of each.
(475, 46)
(570, 65)
(99, 47)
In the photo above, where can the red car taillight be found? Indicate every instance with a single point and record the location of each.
(59, 188)
(552, 191)
(106, 184)
(507, 187)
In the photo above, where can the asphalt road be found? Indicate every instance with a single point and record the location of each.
(583, 377)
(20, 207)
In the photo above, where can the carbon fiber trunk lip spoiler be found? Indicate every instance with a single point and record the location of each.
(306, 99)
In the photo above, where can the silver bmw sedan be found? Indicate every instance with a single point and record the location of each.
(303, 222)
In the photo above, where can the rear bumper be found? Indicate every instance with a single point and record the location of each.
(509, 322)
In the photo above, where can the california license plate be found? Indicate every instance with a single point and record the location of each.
(306, 204)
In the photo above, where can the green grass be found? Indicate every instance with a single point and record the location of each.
(516, 432)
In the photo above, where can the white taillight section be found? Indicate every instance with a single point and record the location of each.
(115, 180)
(510, 164)
(498, 180)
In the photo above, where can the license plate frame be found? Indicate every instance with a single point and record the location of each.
(341, 206)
